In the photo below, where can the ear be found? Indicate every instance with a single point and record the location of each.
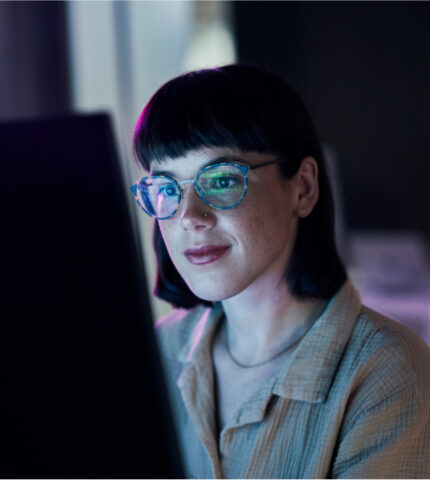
(307, 188)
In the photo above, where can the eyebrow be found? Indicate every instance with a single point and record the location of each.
(224, 158)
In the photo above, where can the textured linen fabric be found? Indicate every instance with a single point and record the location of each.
(353, 401)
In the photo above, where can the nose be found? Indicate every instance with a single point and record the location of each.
(193, 212)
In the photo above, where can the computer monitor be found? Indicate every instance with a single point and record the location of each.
(81, 388)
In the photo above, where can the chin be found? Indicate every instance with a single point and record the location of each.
(213, 291)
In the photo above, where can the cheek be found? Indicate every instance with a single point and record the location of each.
(267, 221)
(263, 237)
(167, 232)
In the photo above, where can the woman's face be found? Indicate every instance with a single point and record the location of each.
(221, 253)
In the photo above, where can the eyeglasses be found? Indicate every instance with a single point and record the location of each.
(221, 185)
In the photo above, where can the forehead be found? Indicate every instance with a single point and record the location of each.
(188, 165)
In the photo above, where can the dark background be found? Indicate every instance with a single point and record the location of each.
(363, 69)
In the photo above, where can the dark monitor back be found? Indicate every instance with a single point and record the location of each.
(80, 379)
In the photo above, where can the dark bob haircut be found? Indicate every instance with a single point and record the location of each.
(250, 109)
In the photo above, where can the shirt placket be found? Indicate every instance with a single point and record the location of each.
(196, 386)
(233, 434)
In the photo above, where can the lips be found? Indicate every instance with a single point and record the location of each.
(205, 254)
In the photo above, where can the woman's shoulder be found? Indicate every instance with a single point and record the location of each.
(379, 331)
(389, 353)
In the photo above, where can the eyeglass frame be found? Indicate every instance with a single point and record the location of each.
(243, 168)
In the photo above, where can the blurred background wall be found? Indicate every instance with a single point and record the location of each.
(363, 69)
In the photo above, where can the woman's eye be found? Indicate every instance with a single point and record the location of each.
(225, 182)
(168, 191)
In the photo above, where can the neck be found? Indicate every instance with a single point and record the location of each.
(261, 322)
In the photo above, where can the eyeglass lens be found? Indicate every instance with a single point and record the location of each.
(221, 186)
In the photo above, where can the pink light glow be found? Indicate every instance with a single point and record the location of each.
(198, 332)
(170, 320)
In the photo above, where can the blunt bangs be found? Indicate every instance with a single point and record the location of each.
(219, 108)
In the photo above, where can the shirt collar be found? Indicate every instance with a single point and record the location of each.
(307, 376)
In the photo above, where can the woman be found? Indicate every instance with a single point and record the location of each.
(275, 369)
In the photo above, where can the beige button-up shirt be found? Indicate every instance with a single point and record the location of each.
(353, 401)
